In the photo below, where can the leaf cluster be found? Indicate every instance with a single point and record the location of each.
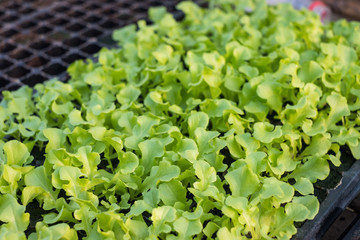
(215, 126)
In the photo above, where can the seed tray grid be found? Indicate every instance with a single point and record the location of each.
(39, 39)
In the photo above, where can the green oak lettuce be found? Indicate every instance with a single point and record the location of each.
(215, 126)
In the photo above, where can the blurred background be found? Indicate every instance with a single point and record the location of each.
(349, 9)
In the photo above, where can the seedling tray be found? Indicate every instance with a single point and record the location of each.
(39, 39)
(333, 205)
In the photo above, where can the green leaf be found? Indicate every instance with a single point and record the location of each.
(338, 108)
(161, 217)
(150, 150)
(128, 162)
(35, 179)
(13, 214)
(282, 192)
(172, 192)
(162, 173)
(137, 229)
(89, 160)
(163, 54)
(187, 228)
(143, 127)
(187, 149)
(313, 169)
(266, 132)
(56, 138)
(242, 181)
(310, 71)
(205, 173)
(304, 186)
(127, 96)
(55, 232)
(238, 203)
(197, 120)
(16, 152)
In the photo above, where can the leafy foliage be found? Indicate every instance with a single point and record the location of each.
(215, 126)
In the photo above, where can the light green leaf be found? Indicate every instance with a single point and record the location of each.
(197, 120)
(304, 186)
(310, 202)
(265, 132)
(187, 149)
(128, 162)
(13, 214)
(281, 191)
(161, 217)
(172, 192)
(314, 168)
(310, 71)
(187, 228)
(56, 138)
(16, 152)
(38, 178)
(242, 181)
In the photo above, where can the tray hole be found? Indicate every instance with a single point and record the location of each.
(72, 58)
(56, 51)
(40, 45)
(76, 13)
(44, 16)
(107, 40)
(178, 15)
(28, 24)
(91, 48)
(124, 16)
(13, 87)
(59, 21)
(75, 27)
(126, 5)
(139, 16)
(109, 24)
(92, 19)
(92, 6)
(20, 54)
(108, 11)
(3, 82)
(18, 72)
(54, 69)
(6, 47)
(78, 2)
(92, 33)
(32, 80)
(14, 6)
(26, 10)
(140, 9)
(61, 9)
(9, 18)
(4, 64)
(155, 3)
(60, 35)
(43, 29)
(73, 42)
(9, 33)
(37, 61)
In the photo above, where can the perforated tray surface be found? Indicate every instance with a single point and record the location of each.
(40, 38)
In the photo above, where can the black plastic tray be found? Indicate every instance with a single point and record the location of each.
(333, 205)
